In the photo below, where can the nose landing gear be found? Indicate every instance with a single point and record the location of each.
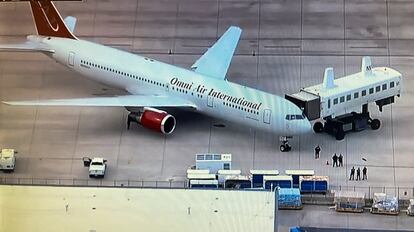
(285, 147)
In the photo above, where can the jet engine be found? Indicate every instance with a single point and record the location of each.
(154, 119)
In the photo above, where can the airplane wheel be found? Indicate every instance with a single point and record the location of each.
(375, 124)
(318, 127)
(340, 134)
(285, 148)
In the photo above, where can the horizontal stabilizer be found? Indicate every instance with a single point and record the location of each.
(24, 47)
(123, 101)
(216, 61)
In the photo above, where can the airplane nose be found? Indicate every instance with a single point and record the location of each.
(306, 126)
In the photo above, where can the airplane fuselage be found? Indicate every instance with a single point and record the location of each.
(141, 75)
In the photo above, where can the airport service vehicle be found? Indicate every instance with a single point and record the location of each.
(154, 87)
(97, 167)
(410, 209)
(342, 104)
(7, 160)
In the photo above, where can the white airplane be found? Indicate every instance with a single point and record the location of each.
(153, 85)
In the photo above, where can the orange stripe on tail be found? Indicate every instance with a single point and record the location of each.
(48, 20)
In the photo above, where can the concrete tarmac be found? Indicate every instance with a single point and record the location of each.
(285, 45)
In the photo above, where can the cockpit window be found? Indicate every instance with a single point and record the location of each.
(295, 117)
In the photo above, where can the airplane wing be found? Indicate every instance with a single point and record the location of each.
(24, 47)
(124, 101)
(216, 61)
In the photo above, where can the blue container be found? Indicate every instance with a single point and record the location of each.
(321, 186)
(314, 186)
(257, 180)
(278, 183)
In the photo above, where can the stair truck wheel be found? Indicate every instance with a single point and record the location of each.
(340, 134)
(318, 127)
(375, 124)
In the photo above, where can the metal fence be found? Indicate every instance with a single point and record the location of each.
(92, 183)
(402, 193)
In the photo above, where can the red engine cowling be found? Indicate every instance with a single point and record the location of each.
(157, 120)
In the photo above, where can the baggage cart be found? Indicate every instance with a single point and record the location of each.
(385, 204)
(349, 201)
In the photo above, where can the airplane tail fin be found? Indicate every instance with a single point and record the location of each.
(48, 20)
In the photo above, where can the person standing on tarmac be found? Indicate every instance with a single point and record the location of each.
(341, 160)
(358, 174)
(364, 173)
(351, 176)
(317, 151)
(334, 160)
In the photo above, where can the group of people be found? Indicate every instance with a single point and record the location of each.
(337, 161)
(358, 174)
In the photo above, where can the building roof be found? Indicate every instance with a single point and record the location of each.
(36, 208)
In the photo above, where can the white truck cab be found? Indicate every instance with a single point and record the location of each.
(7, 160)
(97, 167)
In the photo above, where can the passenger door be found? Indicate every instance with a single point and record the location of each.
(71, 59)
(267, 115)
(210, 101)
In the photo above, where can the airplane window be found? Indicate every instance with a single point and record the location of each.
(392, 84)
(335, 101)
(348, 97)
(364, 92)
(299, 117)
(384, 86)
(356, 95)
(342, 99)
(329, 103)
(295, 117)
(371, 90)
(378, 88)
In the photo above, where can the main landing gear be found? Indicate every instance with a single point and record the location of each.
(285, 147)
(338, 126)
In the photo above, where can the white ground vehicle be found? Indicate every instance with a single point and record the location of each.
(7, 160)
(410, 210)
(97, 167)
